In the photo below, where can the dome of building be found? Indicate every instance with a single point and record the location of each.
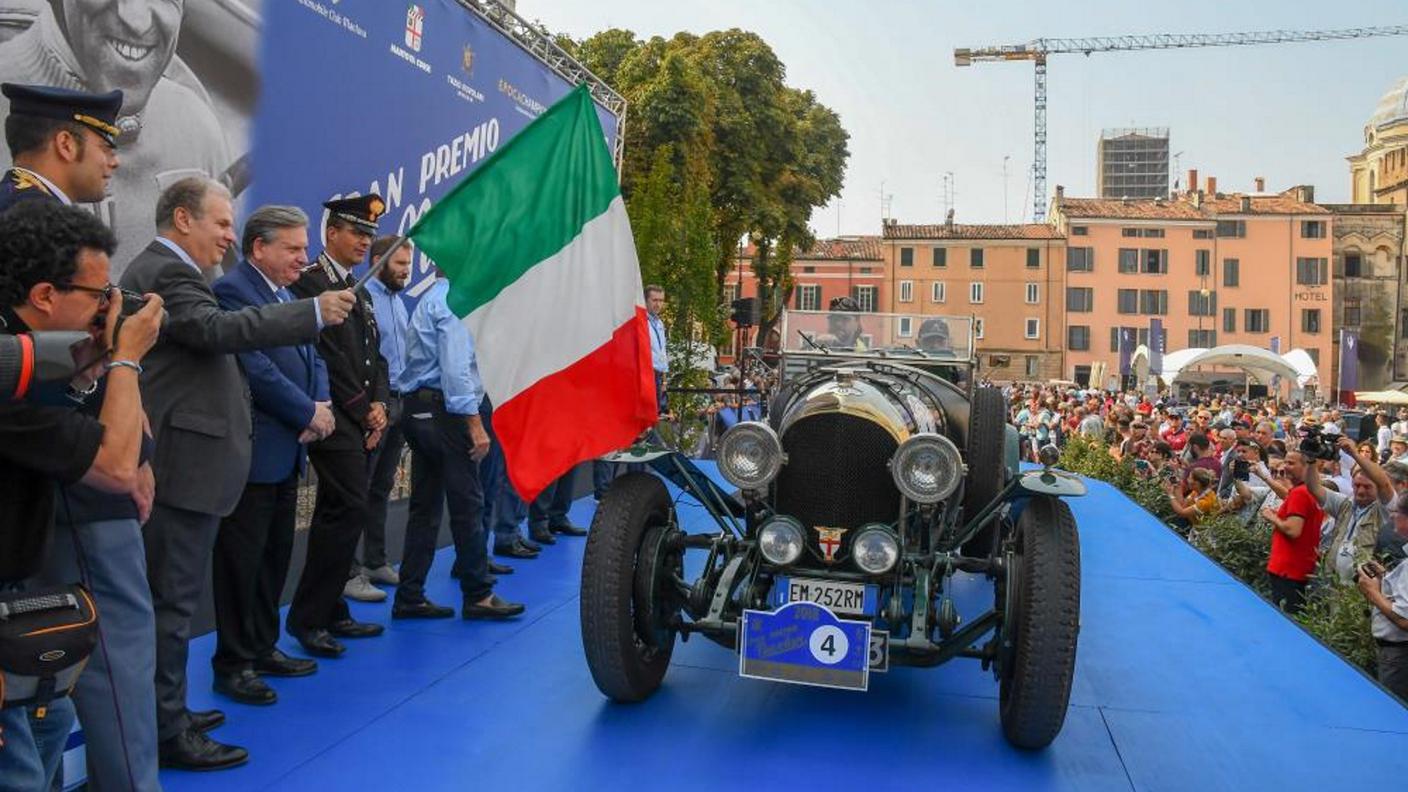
(1392, 107)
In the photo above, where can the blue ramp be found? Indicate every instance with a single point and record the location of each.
(1185, 681)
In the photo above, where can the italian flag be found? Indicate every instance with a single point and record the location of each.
(542, 268)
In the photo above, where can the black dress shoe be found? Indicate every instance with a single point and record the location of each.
(245, 687)
(319, 643)
(193, 750)
(281, 665)
(514, 551)
(349, 628)
(496, 609)
(425, 609)
(568, 529)
(205, 720)
(530, 544)
(542, 537)
(495, 568)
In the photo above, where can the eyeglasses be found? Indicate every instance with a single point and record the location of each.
(103, 293)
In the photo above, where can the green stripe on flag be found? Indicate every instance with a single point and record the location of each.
(522, 205)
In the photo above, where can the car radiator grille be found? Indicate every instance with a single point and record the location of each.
(837, 473)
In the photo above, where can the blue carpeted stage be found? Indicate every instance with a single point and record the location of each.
(1185, 680)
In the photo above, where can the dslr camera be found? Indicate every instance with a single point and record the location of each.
(132, 302)
(1319, 445)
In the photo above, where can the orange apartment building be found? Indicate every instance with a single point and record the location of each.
(846, 266)
(1216, 268)
(831, 268)
(1008, 277)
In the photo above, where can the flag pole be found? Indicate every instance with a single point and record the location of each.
(380, 264)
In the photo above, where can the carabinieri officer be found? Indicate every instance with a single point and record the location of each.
(63, 143)
(357, 376)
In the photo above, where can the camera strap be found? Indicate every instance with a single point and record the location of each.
(86, 578)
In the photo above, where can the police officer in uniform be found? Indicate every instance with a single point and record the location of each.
(62, 143)
(357, 376)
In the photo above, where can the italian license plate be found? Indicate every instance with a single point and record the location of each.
(836, 596)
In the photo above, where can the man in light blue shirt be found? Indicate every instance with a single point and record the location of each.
(659, 359)
(393, 322)
(447, 438)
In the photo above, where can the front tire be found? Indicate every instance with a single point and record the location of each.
(1038, 669)
(987, 465)
(626, 652)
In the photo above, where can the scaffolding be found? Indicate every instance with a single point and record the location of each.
(1132, 163)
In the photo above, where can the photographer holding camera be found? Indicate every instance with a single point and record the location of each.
(54, 275)
(1358, 517)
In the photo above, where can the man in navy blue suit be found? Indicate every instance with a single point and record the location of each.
(289, 394)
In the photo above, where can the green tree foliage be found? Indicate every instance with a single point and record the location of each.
(718, 147)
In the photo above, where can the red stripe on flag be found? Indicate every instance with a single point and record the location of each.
(595, 406)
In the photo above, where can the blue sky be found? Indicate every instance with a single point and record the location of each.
(1288, 112)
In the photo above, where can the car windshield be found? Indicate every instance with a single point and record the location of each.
(853, 334)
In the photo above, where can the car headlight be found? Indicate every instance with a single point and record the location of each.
(927, 468)
(875, 549)
(750, 455)
(780, 540)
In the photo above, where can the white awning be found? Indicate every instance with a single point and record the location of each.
(1259, 364)
(1381, 397)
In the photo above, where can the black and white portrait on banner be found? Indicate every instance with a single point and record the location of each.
(188, 71)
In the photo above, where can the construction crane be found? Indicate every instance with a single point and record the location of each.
(1038, 50)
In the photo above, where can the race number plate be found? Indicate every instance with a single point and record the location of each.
(805, 644)
(855, 599)
(879, 651)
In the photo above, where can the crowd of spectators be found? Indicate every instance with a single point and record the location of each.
(1332, 507)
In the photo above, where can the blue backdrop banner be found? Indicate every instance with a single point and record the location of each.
(286, 101)
(401, 99)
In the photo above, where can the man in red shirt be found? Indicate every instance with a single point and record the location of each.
(1177, 435)
(1296, 536)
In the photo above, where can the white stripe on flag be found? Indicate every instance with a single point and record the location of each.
(561, 310)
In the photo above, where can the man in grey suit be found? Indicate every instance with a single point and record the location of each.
(198, 404)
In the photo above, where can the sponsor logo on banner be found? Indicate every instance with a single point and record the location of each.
(526, 104)
(415, 26)
(333, 16)
(462, 88)
(829, 539)
(415, 34)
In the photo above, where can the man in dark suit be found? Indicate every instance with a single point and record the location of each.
(198, 405)
(61, 142)
(289, 386)
(357, 376)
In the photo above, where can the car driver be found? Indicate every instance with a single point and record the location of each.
(844, 324)
(933, 336)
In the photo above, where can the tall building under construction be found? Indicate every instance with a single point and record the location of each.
(1132, 163)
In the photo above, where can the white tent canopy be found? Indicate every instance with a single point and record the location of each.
(1259, 364)
(1382, 397)
(1306, 372)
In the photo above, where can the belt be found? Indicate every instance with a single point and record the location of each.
(395, 394)
(431, 395)
(1389, 644)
